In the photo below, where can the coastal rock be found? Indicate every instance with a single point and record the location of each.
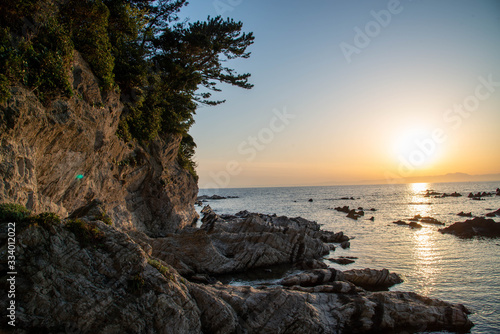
(313, 278)
(337, 307)
(493, 214)
(454, 194)
(400, 222)
(345, 245)
(310, 264)
(102, 283)
(342, 260)
(344, 209)
(59, 157)
(251, 241)
(463, 214)
(428, 220)
(479, 195)
(372, 279)
(214, 197)
(109, 284)
(414, 225)
(474, 227)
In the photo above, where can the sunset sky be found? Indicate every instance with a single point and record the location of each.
(347, 91)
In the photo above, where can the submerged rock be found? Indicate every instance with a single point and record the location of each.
(428, 220)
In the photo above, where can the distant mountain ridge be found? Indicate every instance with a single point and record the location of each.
(450, 177)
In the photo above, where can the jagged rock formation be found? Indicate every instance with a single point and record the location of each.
(62, 156)
(280, 310)
(108, 284)
(245, 242)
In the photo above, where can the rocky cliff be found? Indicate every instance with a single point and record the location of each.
(141, 273)
(61, 156)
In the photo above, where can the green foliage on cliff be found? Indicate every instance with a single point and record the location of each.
(87, 234)
(164, 69)
(13, 213)
(161, 268)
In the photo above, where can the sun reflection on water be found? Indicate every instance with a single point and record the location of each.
(417, 203)
(427, 260)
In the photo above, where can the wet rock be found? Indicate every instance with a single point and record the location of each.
(313, 278)
(344, 209)
(400, 222)
(430, 220)
(463, 214)
(345, 244)
(372, 279)
(474, 227)
(493, 214)
(415, 225)
(454, 194)
(342, 260)
(213, 197)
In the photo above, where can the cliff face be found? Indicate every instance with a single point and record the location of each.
(60, 157)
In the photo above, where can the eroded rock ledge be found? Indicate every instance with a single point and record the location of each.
(107, 283)
(241, 242)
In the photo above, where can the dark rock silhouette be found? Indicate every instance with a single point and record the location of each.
(478, 226)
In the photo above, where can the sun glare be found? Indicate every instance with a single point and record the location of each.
(419, 187)
(416, 149)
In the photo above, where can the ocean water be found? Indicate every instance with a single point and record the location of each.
(432, 264)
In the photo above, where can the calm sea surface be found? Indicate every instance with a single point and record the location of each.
(432, 264)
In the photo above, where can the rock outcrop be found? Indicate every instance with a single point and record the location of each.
(479, 226)
(62, 156)
(245, 242)
(371, 279)
(335, 308)
(100, 284)
(109, 284)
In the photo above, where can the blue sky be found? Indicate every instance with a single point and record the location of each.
(358, 118)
